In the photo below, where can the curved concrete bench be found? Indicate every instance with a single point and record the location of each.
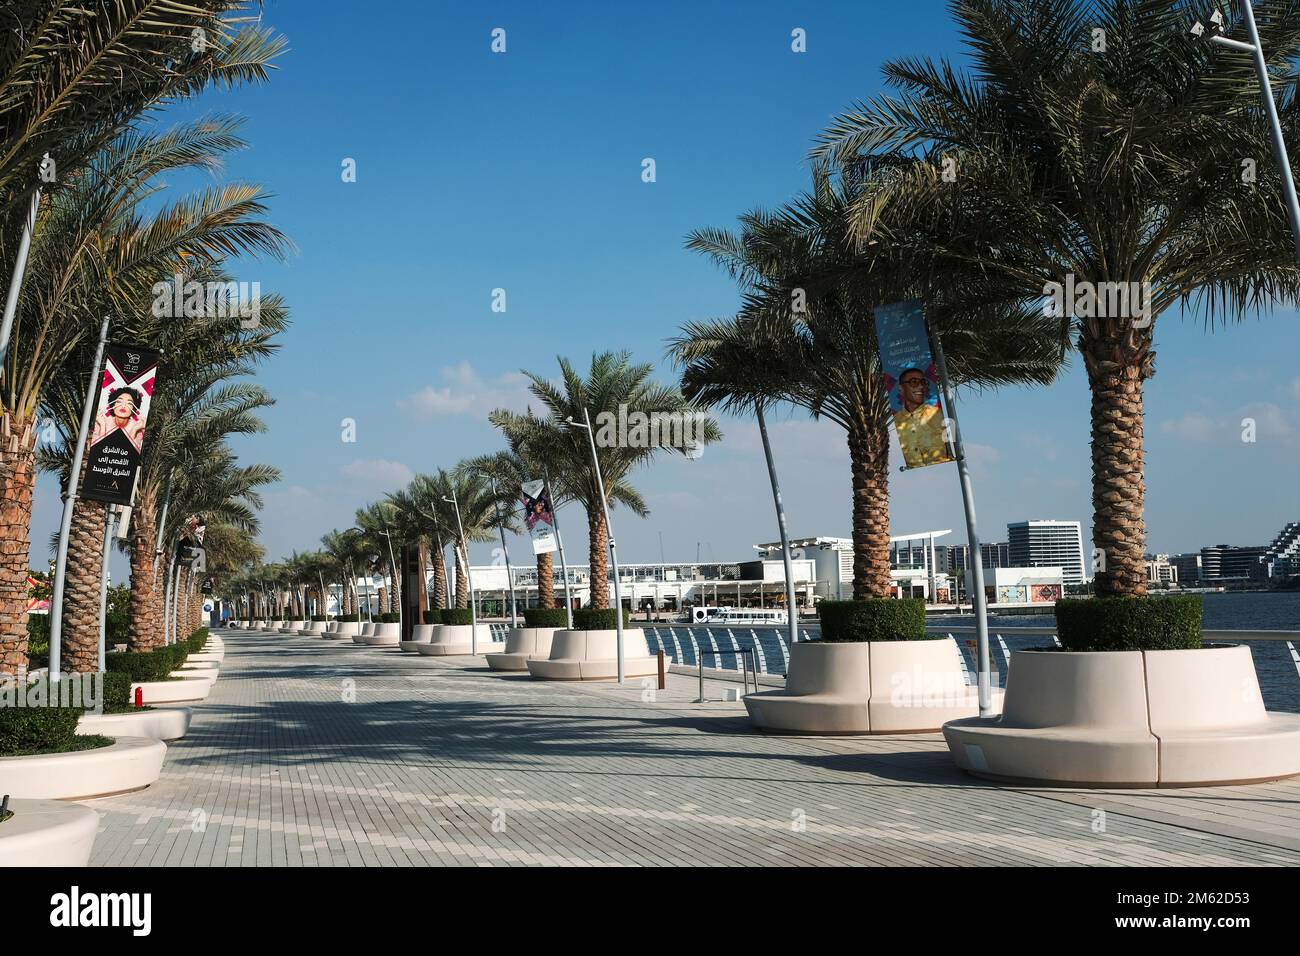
(385, 635)
(48, 833)
(420, 634)
(130, 763)
(876, 687)
(364, 629)
(1131, 719)
(292, 627)
(592, 655)
(311, 628)
(522, 645)
(345, 631)
(207, 657)
(453, 640)
(211, 672)
(161, 723)
(174, 691)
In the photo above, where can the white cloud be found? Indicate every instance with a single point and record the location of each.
(378, 472)
(464, 392)
(1193, 427)
(1295, 388)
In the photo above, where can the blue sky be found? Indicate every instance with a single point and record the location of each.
(522, 171)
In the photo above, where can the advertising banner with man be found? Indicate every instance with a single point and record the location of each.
(539, 517)
(117, 433)
(912, 384)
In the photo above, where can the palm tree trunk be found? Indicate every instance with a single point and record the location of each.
(440, 579)
(545, 580)
(1118, 363)
(145, 628)
(598, 544)
(81, 592)
(422, 598)
(869, 457)
(462, 579)
(18, 474)
(394, 590)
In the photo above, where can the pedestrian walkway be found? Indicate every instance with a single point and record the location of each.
(316, 753)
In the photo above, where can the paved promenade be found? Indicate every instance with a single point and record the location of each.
(316, 753)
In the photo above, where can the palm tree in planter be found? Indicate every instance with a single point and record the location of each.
(613, 391)
(377, 521)
(419, 510)
(1110, 183)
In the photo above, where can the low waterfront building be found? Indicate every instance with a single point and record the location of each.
(1188, 568)
(1024, 586)
(1161, 572)
(1224, 564)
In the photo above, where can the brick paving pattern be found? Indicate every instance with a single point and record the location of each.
(316, 753)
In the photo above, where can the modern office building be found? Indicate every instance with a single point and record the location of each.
(1161, 571)
(1188, 568)
(994, 555)
(1048, 544)
(1225, 563)
(1283, 555)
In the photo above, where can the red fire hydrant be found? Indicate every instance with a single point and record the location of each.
(139, 697)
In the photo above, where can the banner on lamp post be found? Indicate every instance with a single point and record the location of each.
(912, 384)
(539, 517)
(117, 433)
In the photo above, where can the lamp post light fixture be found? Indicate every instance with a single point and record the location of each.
(469, 578)
(609, 531)
(1256, 52)
(510, 574)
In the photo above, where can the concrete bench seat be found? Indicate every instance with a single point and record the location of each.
(384, 635)
(522, 645)
(456, 640)
(876, 687)
(592, 655)
(1130, 719)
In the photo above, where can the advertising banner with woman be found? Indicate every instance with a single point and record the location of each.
(912, 383)
(117, 431)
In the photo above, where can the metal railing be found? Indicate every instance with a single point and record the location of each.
(746, 656)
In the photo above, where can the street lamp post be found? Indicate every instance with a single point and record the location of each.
(1270, 107)
(392, 584)
(469, 578)
(510, 574)
(609, 531)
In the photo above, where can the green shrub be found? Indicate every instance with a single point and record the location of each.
(347, 619)
(387, 618)
(179, 652)
(455, 616)
(876, 619)
(546, 617)
(141, 666)
(598, 619)
(118, 698)
(319, 618)
(1130, 623)
(117, 618)
(40, 730)
(431, 617)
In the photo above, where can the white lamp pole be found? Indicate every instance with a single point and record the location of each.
(473, 612)
(609, 531)
(510, 574)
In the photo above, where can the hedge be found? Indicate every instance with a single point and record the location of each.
(1163, 623)
(455, 616)
(39, 730)
(389, 618)
(319, 618)
(431, 617)
(117, 697)
(875, 619)
(598, 619)
(347, 619)
(141, 666)
(546, 617)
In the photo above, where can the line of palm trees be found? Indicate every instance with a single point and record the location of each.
(1098, 141)
(83, 234)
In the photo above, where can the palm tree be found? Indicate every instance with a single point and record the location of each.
(611, 384)
(478, 517)
(1110, 172)
(805, 336)
(139, 253)
(422, 509)
(76, 73)
(376, 521)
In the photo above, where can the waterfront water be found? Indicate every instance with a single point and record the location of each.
(1265, 611)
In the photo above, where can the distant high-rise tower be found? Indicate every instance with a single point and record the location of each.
(1048, 544)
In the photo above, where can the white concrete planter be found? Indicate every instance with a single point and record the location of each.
(174, 691)
(385, 635)
(312, 629)
(162, 723)
(1131, 719)
(47, 833)
(259, 625)
(593, 655)
(344, 631)
(868, 687)
(130, 763)
(453, 640)
(293, 627)
(522, 645)
(420, 634)
(210, 673)
(207, 657)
